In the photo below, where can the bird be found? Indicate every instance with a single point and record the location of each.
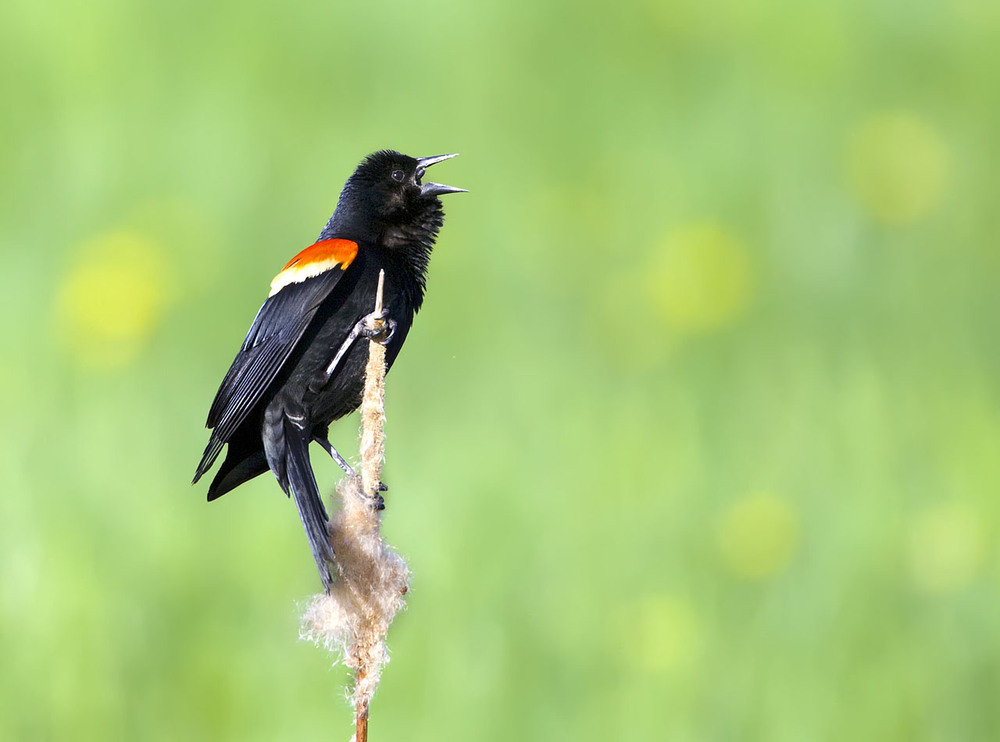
(302, 364)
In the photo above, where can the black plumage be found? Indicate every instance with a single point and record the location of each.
(302, 364)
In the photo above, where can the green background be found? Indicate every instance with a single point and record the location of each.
(697, 436)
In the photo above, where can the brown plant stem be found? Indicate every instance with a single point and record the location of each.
(372, 456)
(352, 619)
(373, 407)
(361, 715)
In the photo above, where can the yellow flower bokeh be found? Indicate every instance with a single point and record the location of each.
(665, 633)
(757, 536)
(112, 299)
(699, 278)
(898, 167)
(946, 548)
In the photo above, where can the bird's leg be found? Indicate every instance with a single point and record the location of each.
(378, 502)
(380, 328)
(366, 327)
(335, 455)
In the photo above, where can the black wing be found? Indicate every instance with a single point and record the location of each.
(276, 330)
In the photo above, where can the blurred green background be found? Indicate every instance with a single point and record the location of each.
(697, 436)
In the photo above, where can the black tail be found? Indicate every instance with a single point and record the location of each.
(286, 444)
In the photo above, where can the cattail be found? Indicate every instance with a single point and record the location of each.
(371, 581)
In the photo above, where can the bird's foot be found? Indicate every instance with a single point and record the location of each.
(378, 326)
(378, 502)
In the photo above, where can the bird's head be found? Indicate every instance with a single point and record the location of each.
(388, 192)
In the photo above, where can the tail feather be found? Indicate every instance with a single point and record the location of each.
(287, 448)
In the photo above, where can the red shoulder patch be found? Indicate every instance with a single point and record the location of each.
(315, 259)
(340, 252)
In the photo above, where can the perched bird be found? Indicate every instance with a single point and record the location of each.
(302, 364)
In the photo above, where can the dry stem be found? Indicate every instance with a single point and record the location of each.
(373, 408)
(367, 592)
(372, 456)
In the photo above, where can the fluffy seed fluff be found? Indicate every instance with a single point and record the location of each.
(367, 593)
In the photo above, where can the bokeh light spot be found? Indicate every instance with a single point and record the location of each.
(898, 167)
(757, 536)
(699, 278)
(946, 548)
(665, 633)
(112, 299)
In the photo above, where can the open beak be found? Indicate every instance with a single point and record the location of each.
(435, 189)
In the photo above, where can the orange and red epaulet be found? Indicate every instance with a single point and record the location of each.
(315, 259)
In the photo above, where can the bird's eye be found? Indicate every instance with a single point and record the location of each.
(398, 175)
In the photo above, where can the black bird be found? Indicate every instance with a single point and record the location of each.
(301, 366)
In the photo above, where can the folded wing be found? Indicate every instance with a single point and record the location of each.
(297, 292)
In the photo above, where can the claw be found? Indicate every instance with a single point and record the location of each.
(378, 326)
(390, 330)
